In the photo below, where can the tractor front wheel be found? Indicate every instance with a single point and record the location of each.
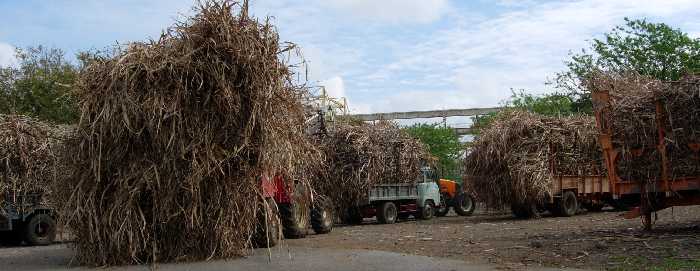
(322, 217)
(465, 205)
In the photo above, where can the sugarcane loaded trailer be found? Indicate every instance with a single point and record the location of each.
(288, 209)
(23, 218)
(669, 163)
(390, 202)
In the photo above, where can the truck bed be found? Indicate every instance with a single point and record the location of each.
(393, 192)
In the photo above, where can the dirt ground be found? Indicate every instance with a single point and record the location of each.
(588, 241)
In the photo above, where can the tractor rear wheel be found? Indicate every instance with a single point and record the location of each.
(267, 232)
(444, 207)
(568, 204)
(322, 217)
(387, 213)
(295, 215)
(464, 205)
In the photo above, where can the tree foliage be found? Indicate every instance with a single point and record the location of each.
(40, 86)
(443, 143)
(653, 49)
(551, 104)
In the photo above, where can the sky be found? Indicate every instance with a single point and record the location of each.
(383, 55)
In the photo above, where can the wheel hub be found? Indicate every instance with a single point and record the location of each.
(41, 229)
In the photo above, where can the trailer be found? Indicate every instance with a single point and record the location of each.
(642, 197)
(398, 201)
(646, 196)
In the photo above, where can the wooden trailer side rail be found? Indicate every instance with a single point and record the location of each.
(583, 185)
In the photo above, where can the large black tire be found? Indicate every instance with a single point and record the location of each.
(353, 216)
(428, 210)
(619, 205)
(322, 217)
(464, 205)
(268, 228)
(595, 207)
(444, 207)
(295, 220)
(568, 204)
(523, 211)
(40, 230)
(387, 213)
(11, 238)
(296, 214)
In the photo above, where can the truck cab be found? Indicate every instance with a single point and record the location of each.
(428, 189)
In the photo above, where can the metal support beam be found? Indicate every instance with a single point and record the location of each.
(426, 114)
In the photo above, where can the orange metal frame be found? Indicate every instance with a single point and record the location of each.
(620, 186)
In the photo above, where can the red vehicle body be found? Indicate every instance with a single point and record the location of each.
(275, 188)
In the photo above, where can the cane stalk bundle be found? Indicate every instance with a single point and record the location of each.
(360, 156)
(514, 159)
(639, 107)
(29, 158)
(173, 137)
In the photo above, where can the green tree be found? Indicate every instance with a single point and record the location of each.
(40, 86)
(551, 104)
(443, 143)
(653, 49)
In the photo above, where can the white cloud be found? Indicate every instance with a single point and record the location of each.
(7, 55)
(515, 3)
(334, 87)
(477, 65)
(394, 11)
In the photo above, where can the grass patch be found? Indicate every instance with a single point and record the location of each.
(639, 263)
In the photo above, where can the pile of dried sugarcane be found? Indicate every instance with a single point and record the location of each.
(174, 136)
(29, 157)
(362, 155)
(632, 118)
(513, 160)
